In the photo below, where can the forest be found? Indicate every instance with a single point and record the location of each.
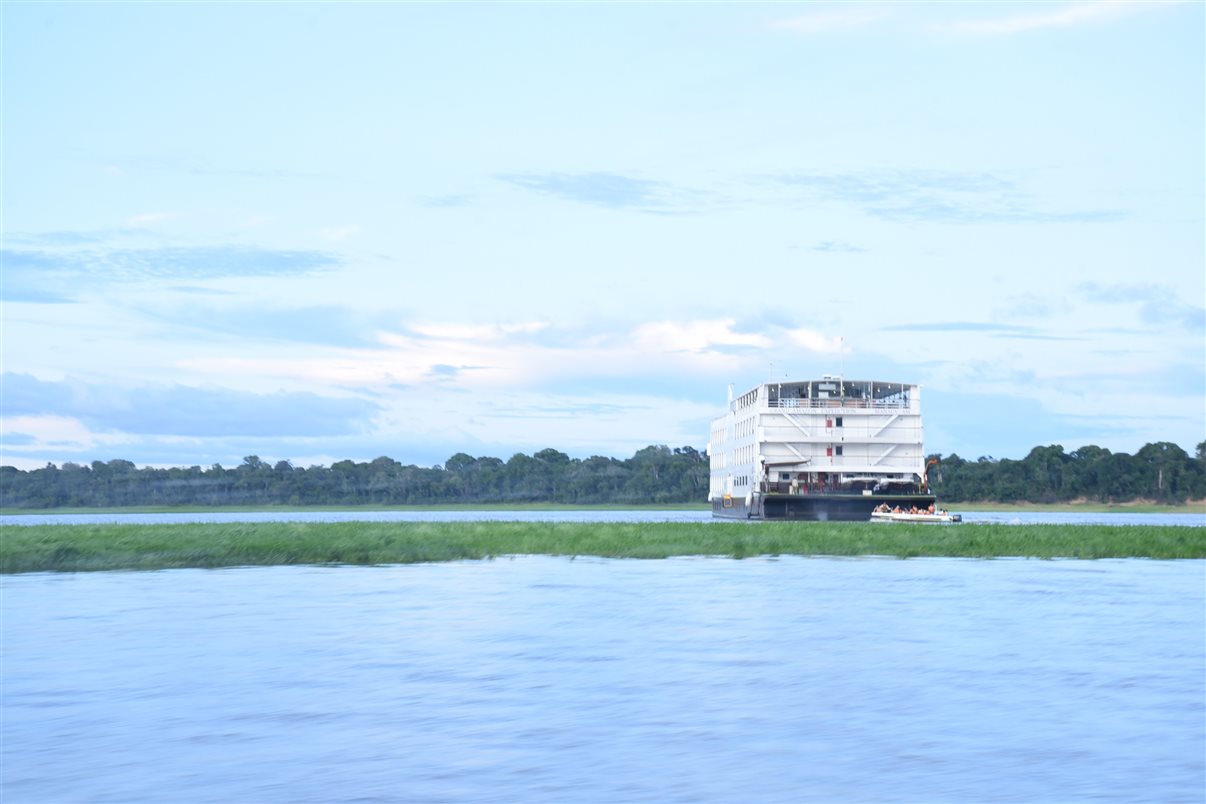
(1162, 472)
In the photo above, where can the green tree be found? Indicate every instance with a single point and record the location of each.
(1164, 471)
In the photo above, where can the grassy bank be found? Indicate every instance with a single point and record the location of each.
(75, 548)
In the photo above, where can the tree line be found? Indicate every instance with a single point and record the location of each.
(656, 474)
(1162, 472)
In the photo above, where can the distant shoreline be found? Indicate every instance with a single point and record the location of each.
(1135, 507)
(244, 509)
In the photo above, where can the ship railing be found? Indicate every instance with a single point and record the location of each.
(787, 487)
(829, 487)
(873, 404)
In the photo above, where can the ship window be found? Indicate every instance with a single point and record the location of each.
(838, 448)
(838, 423)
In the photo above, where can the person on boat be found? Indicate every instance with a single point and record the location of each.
(795, 484)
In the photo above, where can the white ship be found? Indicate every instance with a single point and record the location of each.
(827, 449)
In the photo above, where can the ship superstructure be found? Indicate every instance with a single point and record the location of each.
(819, 449)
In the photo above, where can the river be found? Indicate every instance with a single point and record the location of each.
(542, 679)
(588, 515)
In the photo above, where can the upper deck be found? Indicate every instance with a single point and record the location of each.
(831, 392)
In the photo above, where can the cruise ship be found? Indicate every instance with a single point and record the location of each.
(827, 449)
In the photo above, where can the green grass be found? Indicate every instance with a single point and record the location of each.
(79, 548)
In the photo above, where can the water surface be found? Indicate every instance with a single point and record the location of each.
(639, 515)
(556, 680)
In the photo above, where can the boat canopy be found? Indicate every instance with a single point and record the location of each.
(837, 388)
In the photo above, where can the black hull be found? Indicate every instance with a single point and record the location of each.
(816, 507)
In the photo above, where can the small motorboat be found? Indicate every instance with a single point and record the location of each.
(939, 517)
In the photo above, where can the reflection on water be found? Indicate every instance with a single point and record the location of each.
(557, 680)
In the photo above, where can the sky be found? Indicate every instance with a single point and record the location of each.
(315, 232)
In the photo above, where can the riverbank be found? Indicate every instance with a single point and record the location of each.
(84, 548)
(1083, 507)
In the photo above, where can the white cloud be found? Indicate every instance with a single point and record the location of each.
(827, 21)
(527, 355)
(817, 342)
(49, 429)
(473, 331)
(1066, 16)
(694, 336)
(523, 386)
(363, 369)
(28, 440)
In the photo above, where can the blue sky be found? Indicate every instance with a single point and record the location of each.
(324, 231)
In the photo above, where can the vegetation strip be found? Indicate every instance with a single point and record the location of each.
(81, 548)
(1160, 473)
